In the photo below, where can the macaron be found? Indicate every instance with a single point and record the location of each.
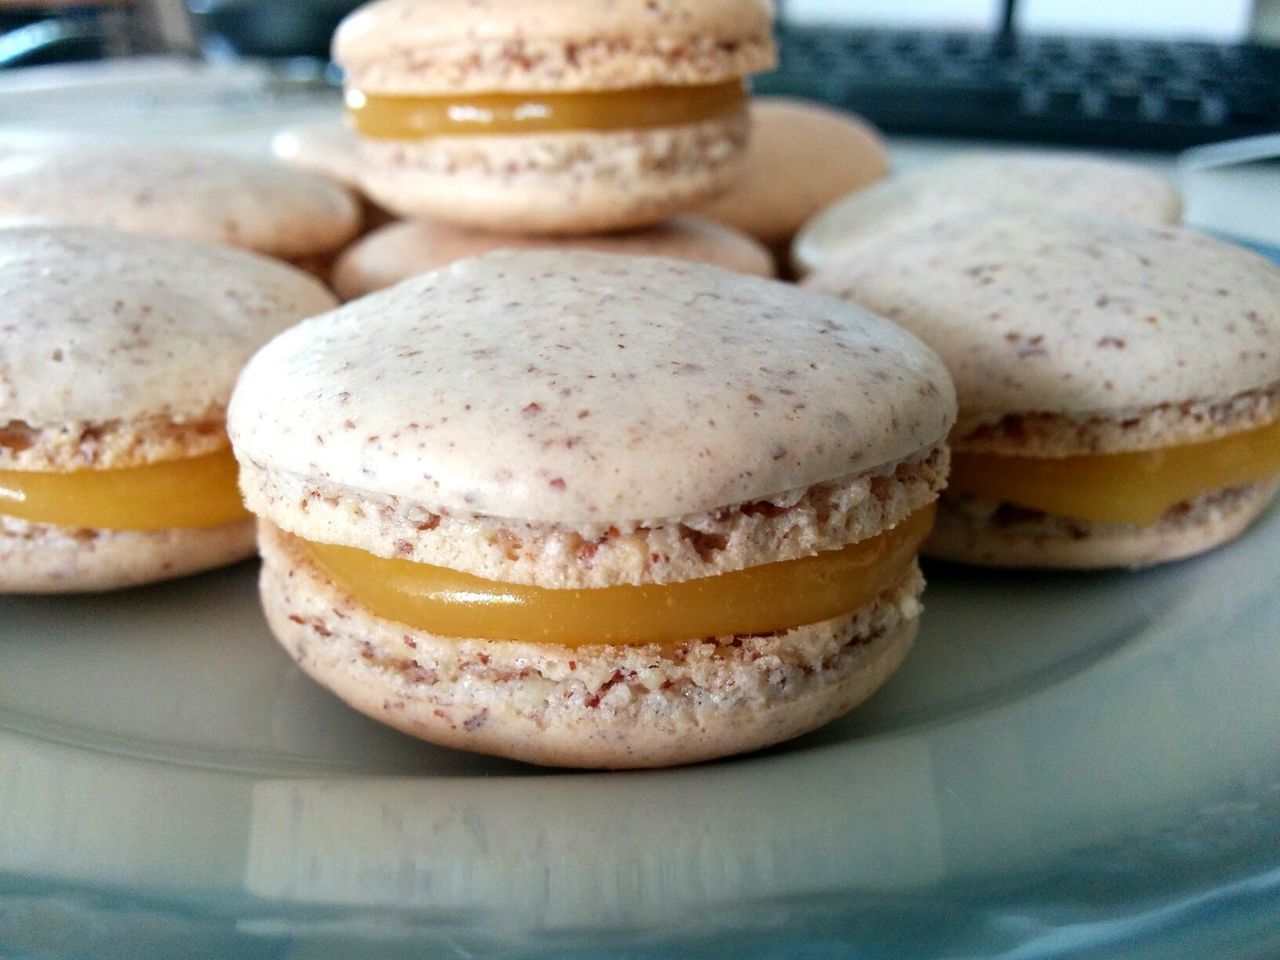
(211, 197)
(401, 250)
(551, 116)
(117, 358)
(1119, 383)
(594, 510)
(1065, 183)
(802, 157)
(327, 148)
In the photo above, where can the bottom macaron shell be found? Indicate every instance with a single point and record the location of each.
(40, 558)
(567, 183)
(968, 530)
(594, 707)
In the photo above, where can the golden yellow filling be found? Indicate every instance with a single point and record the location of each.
(415, 118)
(196, 492)
(1121, 487)
(761, 599)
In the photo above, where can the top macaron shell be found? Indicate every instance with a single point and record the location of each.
(175, 192)
(1033, 181)
(442, 46)
(99, 326)
(1073, 315)
(578, 387)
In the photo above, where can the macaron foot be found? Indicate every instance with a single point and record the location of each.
(42, 558)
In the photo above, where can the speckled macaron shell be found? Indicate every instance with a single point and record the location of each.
(441, 46)
(802, 157)
(1043, 314)
(402, 250)
(1066, 183)
(99, 326)
(580, 387)
(176, 192)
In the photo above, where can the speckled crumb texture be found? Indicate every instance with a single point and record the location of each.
(980, 532)
(564, 183)
(115, 444)
(787, 526)
(1169, 424)
(439, 46)
(408, 248)
(1091, 319)
(40, 558)
(597, 706)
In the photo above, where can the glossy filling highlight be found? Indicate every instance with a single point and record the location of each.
(196, 492)
(762, 599)
(418, 118)
(1136, 488)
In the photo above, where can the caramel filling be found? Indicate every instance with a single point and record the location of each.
(764, 599)
(1135, 488)
(417, 118)
(197, 492)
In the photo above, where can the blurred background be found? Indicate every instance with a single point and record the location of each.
(1152, 74)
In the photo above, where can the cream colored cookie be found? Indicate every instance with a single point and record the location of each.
(402, 250)
(802, 157)
(118, 356)
(1109, 374)
(565, 428)
(175, 192)
(551, 118)
(327, 148)
(1064, 183)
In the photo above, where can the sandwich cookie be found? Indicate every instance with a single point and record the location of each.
(802, 157)
(1119, 383)
(211, 197)
(551, 116)
(117, 360)
(1065, 183)
(591, 510)
(328, 148)
(408, 248)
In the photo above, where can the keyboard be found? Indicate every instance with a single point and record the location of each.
(1162, 95)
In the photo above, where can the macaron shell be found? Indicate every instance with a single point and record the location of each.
(1055, 543)
(802, 157)
(555, 705)
(1065, 183)
(440, 46)
(328, 148)
(173, 192)
(572, 386)
(561, 183)
(402, 250)
(1037, 313)
(38, 558)
(100, 326)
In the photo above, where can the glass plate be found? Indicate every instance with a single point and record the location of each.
(1068, 765)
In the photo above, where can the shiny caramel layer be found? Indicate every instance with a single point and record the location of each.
(418, 118)
(196, 492)
(1133, 488)
(762, 599)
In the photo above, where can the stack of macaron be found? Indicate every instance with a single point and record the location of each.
(621, 127)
